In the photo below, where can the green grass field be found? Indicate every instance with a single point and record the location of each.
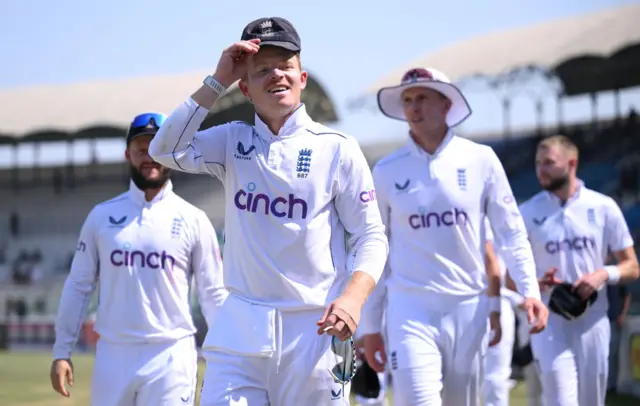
(24, 381)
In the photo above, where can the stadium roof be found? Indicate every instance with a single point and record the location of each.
(589, 53)
(103, 109)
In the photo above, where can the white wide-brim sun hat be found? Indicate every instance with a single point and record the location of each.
(390, 98)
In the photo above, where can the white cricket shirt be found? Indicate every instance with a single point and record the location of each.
(289, 199)
(575, 237)
(142, 256)
(434, 207)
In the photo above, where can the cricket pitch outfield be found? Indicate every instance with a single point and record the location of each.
(24, 381)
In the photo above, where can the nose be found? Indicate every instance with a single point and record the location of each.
(414, 107)
(275, 74)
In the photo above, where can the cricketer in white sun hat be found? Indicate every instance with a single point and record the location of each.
(390, 98)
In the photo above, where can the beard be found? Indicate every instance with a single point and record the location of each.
(557, 183)
(143, 183)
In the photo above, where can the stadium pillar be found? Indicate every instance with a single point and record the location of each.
(15, 172)
(594, 110)
(94, 158)
(539, 115)
(37, 173)
(506, 116)
(559, 112)
(70, 176)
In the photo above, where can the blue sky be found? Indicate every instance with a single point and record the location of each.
(347, 45)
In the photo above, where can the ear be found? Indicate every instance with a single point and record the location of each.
(573, 163)
(447, 105)
(303, 80)
(127, 156)
(243, 88)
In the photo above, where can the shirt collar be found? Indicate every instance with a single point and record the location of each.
(297, 120)
(137, 194)
(579, 186)
(417, 150)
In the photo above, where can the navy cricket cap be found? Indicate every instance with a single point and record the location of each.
(145, 124)
(274, 31)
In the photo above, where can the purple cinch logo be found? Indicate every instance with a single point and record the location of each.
(251, 201)
(447, 218)
(368, 196)
(141, 259)
(570, 244)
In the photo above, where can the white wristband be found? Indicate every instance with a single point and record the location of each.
(614, 274)
(212, 83)
(495, 304)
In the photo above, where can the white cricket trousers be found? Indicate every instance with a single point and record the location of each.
(159, 374)
(573, 360)
(497, 372)
(436, 348)
(297, 374)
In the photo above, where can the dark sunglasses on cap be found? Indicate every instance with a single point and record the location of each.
(146, 123)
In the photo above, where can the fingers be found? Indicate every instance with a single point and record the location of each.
(243, 47)
(70, 377)
(375, 352)
(323, 318)
(327, 324)
(497, 336)
(339, 329)
(57, 382)
(373, 362)
(541, 318)
(537, 327)
(579, 282)
(531, 314)
(583, 288)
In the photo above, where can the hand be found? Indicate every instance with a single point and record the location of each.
(549, 280)
(233, 61)
(374, 344)
(340, 318)
(590, 283)
(620, 320)
(537, 314)
(496, 328)
(61, 370)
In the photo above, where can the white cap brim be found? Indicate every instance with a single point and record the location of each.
(390, 100)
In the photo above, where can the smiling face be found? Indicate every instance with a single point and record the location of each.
(274, 82)
(425, 109)
(145, 172)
